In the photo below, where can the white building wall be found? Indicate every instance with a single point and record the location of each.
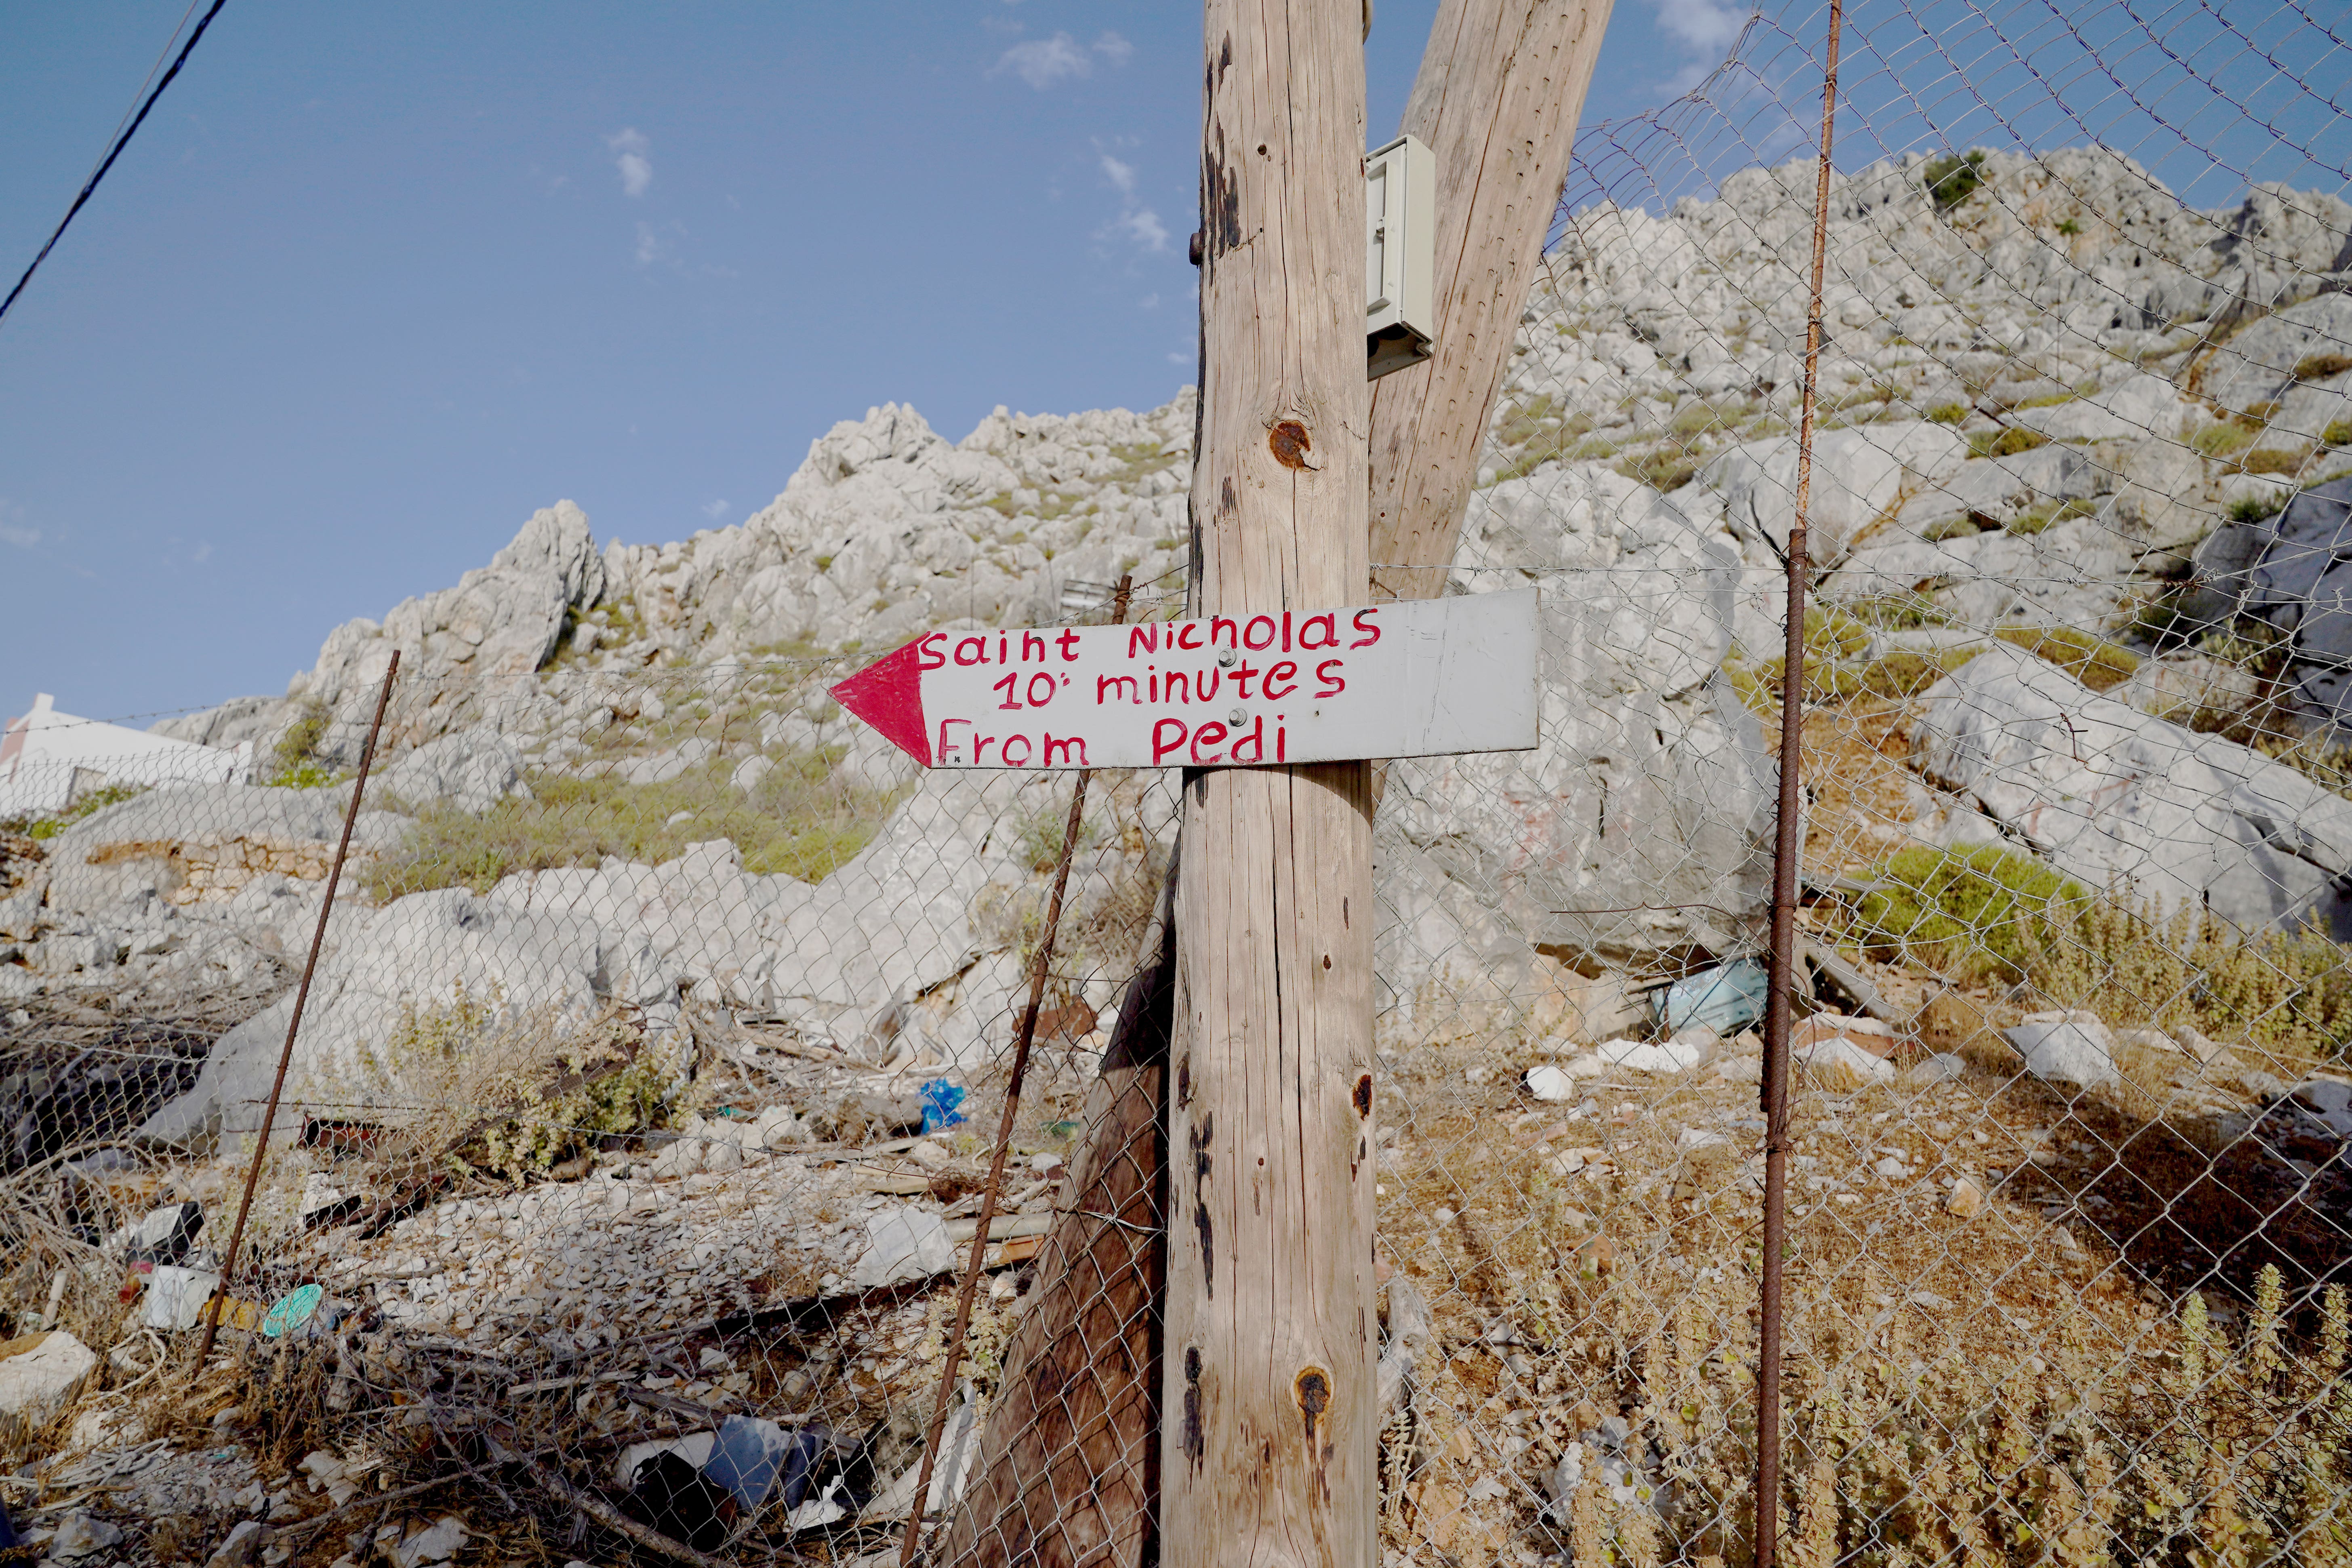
(49, 759)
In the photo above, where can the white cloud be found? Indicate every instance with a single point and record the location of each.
(629, 147)
(202, 553)
(1142, 227)
(650, 248)
(1138, 225)
(1706, 28)
(22, 538)
(1042, 62)
(715, 509)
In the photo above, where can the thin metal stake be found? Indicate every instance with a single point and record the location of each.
(1786, 850)
(302, 995)
(972, 1271)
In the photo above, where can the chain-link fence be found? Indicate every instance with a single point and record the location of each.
(641, 1112)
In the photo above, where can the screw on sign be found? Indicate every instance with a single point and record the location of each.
(1414, 679)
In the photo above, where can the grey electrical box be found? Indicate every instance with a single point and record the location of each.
(1400, 253)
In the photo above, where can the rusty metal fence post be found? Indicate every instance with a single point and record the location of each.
(294, 1021)
(1788, 850)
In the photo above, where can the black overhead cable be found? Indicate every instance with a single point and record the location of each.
(111, 153)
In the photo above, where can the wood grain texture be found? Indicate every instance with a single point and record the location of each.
(1500, 88)
(1268, 1438)
(1067, 1472)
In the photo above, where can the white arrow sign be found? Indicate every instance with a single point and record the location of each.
(1412, 679)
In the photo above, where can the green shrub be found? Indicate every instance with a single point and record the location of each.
(1963, 910)
(2069, 227)
(2287, 994)
(2089, 659)
(2043, 514)
(1898, 612)
(2253, 509)
(1963, 526)
(2005, 442)
(2273, 460)
(295, 760)
(1953, 180)
(2223, 439)
(798, 821)
(517, 1092)
(1949, 412)
(1662, 468)
(1041, 837)
(1698, 417)
(2319, 367)
(90, 805)
(1522, 423)
(2339, 434)
(1836, 640)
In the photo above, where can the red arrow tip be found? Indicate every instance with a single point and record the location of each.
(888, 695)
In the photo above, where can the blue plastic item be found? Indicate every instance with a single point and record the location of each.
(943, 1105)
(292, 1311)
(746, 1457)
(1727, 998)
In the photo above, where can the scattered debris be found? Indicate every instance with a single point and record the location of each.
(39, 1373)
(750, 1455)
(943, 1105)
(81, 1536)
(243, 1546)
(436, 1543)
(1672, 1055)
(292, 1312)
(1725, 998)
(166, 1233)
(176, 1296)
(2065, 1048)
(671, 1493)
(1840, 1062)
(904, 1243)
(1966, 1200)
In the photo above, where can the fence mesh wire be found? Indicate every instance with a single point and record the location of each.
(637, 1120)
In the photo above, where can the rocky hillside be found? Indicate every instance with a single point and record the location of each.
(625, 1086)
(2057, 407)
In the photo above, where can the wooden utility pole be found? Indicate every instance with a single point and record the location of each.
(1068, 1468)
(1070, 1448)
(1268, 1435)
(1499, 92)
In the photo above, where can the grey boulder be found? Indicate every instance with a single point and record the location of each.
(2124, 803)
(1858, 474)
(423, 951)
(472, 770)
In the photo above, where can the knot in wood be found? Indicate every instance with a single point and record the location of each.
(1313, 1389)
(1290, 444)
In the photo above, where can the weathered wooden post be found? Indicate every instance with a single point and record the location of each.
(1497, 101)
(1268, 1428)
(1066, 1474)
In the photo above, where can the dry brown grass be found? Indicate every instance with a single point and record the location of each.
(2002, 1386)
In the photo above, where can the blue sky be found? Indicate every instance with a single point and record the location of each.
(373, 283)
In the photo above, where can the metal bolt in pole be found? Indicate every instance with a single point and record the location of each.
(1786, 850)
(302, 995)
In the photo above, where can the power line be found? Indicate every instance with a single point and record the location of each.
(113, 152)
(144, 83)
